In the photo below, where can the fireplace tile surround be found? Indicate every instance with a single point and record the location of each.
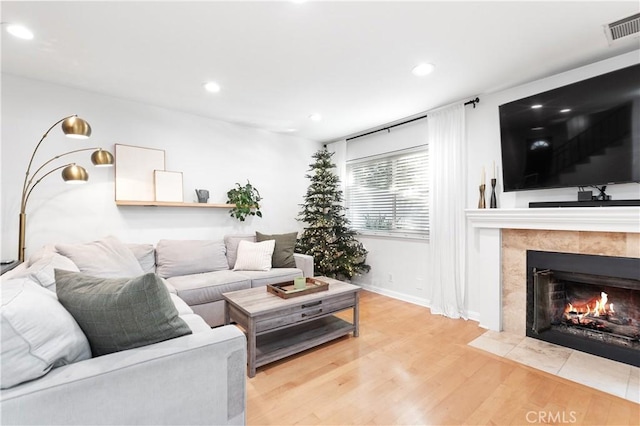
(516, 242)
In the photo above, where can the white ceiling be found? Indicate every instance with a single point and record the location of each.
(279, 62)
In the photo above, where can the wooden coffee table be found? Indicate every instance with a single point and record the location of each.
(277, 328)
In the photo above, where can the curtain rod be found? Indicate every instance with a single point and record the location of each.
(388, 127)
(472, 101)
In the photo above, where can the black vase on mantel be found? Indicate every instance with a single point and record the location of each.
(493, 202)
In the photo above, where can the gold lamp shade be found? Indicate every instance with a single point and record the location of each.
(75, 174)
(76, 127)
(102, 158)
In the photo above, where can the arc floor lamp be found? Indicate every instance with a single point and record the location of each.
(73, 127)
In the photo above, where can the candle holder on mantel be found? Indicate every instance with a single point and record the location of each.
(481, 203)
(493, 203)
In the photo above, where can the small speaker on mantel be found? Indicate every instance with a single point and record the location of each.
(585, 195)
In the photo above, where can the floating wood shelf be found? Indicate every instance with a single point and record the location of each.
(172, 204)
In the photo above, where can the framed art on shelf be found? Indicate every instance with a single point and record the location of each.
(168, 186)
(134, 172)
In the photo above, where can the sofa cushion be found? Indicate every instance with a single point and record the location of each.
(180, 305)
(41, 271)
(195, 322)
(231, 243)
(184, 257)
(146, 255)
(208, 287)
(283, 251)
(274, 276)
(120, 313)
(254, 256)
(38, 333)
(107, 258)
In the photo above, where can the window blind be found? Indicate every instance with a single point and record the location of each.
(389, 194)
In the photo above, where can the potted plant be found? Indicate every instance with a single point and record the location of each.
(246, 200)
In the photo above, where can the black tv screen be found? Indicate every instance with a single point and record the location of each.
(583, 134)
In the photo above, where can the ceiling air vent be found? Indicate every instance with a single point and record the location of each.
(623, 29)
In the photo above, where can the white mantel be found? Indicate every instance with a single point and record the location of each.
(595, 219)
(484, 262)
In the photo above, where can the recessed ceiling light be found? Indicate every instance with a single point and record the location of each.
(566, 110)
(422, 69)
(212, 87)
(20, 31)
(536, 106)
(315, 117)
(537, 128)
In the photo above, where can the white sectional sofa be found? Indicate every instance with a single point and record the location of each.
(50, 377)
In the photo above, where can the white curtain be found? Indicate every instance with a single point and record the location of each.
(447, 166)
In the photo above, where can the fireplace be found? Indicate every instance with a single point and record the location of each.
(585, 302)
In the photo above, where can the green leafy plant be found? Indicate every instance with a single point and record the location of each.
(246, 200)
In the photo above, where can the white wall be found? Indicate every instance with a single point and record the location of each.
(211, 154)
(399, 268)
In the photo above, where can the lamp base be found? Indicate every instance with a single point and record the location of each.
(21, 234)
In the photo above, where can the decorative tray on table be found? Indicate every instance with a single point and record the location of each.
(286, 289)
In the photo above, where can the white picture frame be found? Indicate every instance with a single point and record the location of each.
(168, 186)
(134, 172)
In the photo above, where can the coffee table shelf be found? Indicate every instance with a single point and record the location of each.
(285, 342)
(277, 328)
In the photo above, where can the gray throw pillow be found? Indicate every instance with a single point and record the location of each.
(185, 257)
(120, 313)
(283, 253)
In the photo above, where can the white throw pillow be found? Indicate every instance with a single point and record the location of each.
(106, 258)
(38, 333)
(231, 243)
(254, 256)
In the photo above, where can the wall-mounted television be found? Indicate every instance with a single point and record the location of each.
(580, 135)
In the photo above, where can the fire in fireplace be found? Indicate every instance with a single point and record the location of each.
(585, 302)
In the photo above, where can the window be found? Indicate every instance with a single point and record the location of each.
(389, 194)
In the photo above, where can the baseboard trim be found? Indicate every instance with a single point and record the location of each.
(471, 315)
(396, 295)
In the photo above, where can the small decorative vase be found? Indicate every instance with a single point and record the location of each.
(493, 203)
(481, 203)
(203, 195)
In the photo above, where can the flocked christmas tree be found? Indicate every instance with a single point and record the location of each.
(336, 251)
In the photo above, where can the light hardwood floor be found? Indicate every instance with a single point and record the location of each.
(411, 367)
